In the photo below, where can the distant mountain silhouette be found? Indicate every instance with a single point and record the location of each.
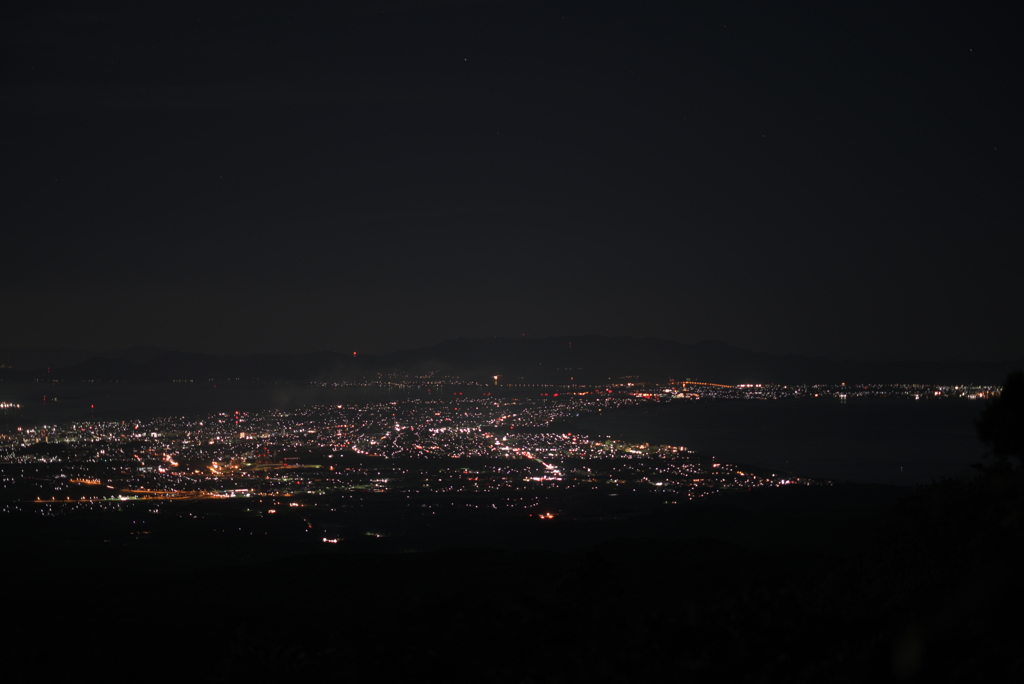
(33, 359)
(592, 358)
(579, 359)
(136, 354)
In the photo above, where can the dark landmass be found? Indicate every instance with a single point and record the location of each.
(584, 359)
(806, 583)
(851, 583)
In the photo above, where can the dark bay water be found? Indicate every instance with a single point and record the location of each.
(51, 403)
(888, 441)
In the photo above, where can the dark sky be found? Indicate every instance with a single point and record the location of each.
(836, 179)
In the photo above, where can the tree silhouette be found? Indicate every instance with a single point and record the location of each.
(1001, 425)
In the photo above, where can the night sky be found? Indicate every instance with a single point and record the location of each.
(843, 180)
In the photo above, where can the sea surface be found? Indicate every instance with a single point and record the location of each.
(42, 403)
(861, 440)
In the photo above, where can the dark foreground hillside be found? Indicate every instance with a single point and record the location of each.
(804, 584)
